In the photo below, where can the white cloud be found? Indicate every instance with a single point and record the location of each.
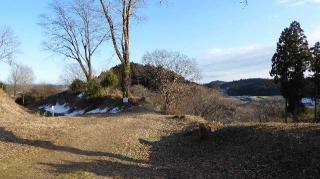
(252, 61)
(296, 2)
(229, 53)
(229, 64)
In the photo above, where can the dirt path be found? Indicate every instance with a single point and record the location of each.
(75, 147)
(153, 146)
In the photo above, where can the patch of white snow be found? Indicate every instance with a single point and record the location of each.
(80, 95)
(76, 113)
(58, 108)
(115, 110)
(98, 111)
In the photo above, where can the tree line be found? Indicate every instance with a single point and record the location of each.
(294, 62)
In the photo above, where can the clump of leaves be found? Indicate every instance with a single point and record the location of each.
(110, 80)
(78, 86)
(93, 90)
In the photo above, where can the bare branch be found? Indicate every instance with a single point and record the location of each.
(76, 31)
(112, 29)
(8, 45)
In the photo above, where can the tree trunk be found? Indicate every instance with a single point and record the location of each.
(295, 111)
(14, 90)
(315, 103)
(89, 77)
(315, 110)
(126, 80)
(23, 99)
(286, 111)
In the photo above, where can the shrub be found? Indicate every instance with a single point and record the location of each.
(78, 86)
(207, 103)
(140, 91)
(189, 99)
(93, 90)
(266, 111)
(110, 80)
(3, 86)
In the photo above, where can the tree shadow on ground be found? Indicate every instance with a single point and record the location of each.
(241, 152)
(232, 152)
(104, 168)
(10, 137)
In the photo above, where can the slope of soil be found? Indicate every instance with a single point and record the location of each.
(9, 107)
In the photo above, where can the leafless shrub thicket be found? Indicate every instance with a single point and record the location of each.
(205, 102)
(266, 111)
(191, 100)
(173, 71)
(210, 104)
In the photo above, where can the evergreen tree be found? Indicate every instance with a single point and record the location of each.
(315, 69)
(289, 64)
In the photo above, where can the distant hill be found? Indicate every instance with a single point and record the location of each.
(247, 87)
(215, 84)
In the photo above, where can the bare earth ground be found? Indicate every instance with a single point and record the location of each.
(153, 146)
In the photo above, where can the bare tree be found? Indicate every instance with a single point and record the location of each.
(71, 72)
(8, 45)
(21, 79)
(122, 11)
(173, 68)
(75, 30)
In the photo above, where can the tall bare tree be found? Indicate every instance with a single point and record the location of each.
(8, 45)
(122, 11)
(75, 30)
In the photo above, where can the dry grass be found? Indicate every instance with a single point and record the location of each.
(150, 145)
(8, 106)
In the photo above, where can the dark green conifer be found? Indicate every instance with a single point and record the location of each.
(289, 64)
(315, 69)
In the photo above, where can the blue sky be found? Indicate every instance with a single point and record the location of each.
(228, 41)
